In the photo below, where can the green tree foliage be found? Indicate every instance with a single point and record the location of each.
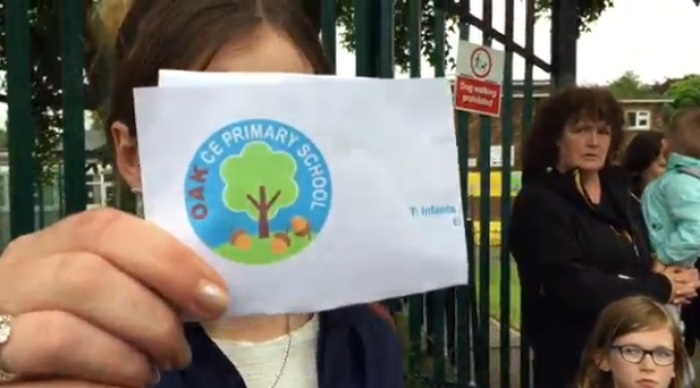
(263, 194)
(630, 86)
(46, 85)
(46, 78)
(588, 12)
(685, 92)
(346, 20)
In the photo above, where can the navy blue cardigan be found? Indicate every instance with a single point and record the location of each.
(356, 349)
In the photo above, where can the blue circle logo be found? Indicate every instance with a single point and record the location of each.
(258, 192)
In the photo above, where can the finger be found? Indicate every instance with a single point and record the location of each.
(53, 343)
(138, 248)
(58, 384)
(682, 277)
(688, 279)
(685, 287)
(686, 292)
(94, 290)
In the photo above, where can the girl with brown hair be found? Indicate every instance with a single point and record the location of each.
(635, 343)
(95, 300)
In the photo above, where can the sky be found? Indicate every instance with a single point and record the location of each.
(653, 40)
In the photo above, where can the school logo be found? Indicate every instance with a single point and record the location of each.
(258, 192)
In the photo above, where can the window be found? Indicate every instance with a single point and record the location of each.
(100, 188)
(638, 119)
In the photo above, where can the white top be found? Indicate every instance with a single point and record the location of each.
(258, 363)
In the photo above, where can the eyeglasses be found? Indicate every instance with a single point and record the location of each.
(635, 354)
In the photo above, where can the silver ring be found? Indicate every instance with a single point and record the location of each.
(5, 331)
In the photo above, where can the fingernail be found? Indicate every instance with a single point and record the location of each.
(155, 377)
(212, 299)
(185, 357)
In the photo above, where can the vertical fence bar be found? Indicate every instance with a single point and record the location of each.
(364, 51)
(415, 302)
(414, 34)
(61, 191)
(383, 26)
(484, 221)
(527, 115)
(72, 24)
(563, 42)
(436, 299)
(21, 127)
(40, 202)
(386, 38)
(465, 302)
(506, 171)
(329, 14)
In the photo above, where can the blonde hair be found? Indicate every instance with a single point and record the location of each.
(684, 132)
(626, 316)
(106, 21)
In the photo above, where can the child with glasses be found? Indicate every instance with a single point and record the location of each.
(635, 343)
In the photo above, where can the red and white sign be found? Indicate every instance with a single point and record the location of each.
(479, 81)
(474, 95)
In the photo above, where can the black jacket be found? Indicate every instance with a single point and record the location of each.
(573, 259)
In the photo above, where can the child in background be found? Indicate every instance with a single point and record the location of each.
(671, 204)
(635, 343)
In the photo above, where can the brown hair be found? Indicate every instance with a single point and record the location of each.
(164, 34)
(568, 106)
(684, 132)
(626, 316)
(639, 155)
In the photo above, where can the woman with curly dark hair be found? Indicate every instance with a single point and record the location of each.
(576, 243)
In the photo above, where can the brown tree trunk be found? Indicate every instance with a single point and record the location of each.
(263, 204)
(263, 225)
(263, 218)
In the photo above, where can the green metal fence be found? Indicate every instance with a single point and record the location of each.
(461, 337)
(454, 336)
(21, 55)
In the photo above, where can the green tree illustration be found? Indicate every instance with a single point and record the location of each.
(259, 182)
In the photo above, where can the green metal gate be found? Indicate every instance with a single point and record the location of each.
(461, 337)
(466, 336)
